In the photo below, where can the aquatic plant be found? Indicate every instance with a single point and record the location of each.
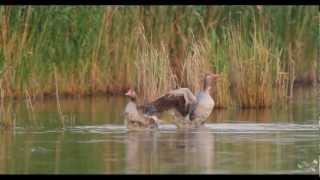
(154, 72)
(96, 50)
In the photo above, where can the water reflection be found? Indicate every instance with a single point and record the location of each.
(57, 153)
(141, 151)
(5, 139)
(181, 152)
(164, 151)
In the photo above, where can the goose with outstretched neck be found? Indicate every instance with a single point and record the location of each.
(191, 110)
(135, 117)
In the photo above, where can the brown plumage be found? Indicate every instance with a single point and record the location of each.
(167, 102)
(135, 118)
(191, 111)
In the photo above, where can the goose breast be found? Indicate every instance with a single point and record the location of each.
(204, 106)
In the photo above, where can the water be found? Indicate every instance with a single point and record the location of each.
(95, 141)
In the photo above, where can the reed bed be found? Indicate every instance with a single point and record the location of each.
(195, 65)
(154, 72)
(253, 56)
(221, 64)
(259, 51)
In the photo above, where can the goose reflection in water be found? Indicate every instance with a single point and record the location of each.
(157, 151)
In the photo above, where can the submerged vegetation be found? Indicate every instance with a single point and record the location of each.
(259, 51)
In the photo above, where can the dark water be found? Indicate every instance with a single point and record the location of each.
(94, 140)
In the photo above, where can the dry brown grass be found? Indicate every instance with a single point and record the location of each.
(221, 91)
(251, 63)
(154, 74)
(195, 65)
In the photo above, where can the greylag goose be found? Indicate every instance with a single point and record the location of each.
(135, 116)
(191, 111)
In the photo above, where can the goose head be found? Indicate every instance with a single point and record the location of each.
(131, 94)
(208, 78)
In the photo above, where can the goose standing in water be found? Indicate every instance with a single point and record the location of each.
(190, 111)
(135, 116)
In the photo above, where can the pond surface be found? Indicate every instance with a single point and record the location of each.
(94, 140)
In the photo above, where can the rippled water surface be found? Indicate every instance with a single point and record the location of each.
(283, 139)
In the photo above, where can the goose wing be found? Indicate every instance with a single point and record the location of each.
(180, 99)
